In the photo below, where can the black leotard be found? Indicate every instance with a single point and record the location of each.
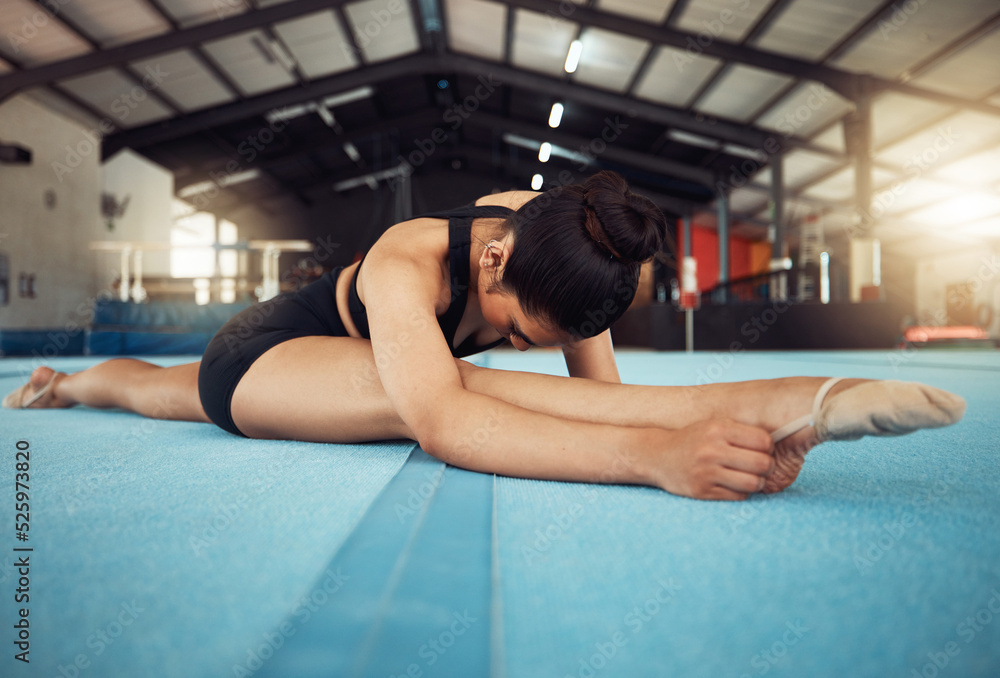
(459, 244)
(312, 311)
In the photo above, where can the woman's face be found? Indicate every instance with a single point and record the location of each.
(502, 310)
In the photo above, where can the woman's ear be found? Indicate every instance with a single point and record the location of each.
(494, 255)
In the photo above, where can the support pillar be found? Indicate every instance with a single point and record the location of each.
(689, 272)
(777, 230)
(866, 265)
(722, 205)
(778, 287)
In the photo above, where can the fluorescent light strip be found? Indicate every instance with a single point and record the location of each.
(573, 57)
(692, 139)
(531, 144)
(555, 117)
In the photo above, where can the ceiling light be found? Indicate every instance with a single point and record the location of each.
(352, 151)
(326, 115)
(555, 117)
(692, 139)
(348, 97)
(371, 180)
(544, 151)
(536, 182)
(524, 142)
(573, 58)
(195, 189)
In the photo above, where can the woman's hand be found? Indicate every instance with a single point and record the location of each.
(716, 459)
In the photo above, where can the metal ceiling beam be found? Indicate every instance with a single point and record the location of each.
(770, 15)
(852, 86)
(84, 106)
(201, 56)
(491, 73)
(126, 69)
(523, 169)
(115, 56)
(838, 80)
(427, 118)
(955, 46)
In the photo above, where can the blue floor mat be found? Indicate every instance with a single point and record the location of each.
(175, 549)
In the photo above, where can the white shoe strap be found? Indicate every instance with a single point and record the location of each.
(806, 419)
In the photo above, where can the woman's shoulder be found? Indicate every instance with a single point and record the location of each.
(512, 199)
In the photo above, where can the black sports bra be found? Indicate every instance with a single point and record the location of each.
(459, 243)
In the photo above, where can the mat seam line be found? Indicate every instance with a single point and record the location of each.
(364, 656)
(498, 664)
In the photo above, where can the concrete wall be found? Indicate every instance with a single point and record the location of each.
(49, 212)
(147, 218)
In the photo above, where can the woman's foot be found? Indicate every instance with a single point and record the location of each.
(848, 409)
(797, 394)
(39, 392)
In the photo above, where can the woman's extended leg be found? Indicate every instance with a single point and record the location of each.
(150, 390)
(328, 389)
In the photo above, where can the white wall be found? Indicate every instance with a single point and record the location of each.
(147, 217)
(979, 268)
(50, 242)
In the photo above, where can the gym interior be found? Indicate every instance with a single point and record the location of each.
(830, 172)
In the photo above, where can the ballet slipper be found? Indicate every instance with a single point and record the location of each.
(876, 408)
(15, 399)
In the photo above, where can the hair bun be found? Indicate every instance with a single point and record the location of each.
(631, 227)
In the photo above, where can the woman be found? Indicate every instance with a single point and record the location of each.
(371, 352)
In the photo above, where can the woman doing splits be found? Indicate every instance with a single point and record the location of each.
(372, 351)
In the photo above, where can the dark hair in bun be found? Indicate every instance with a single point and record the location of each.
(577, 252)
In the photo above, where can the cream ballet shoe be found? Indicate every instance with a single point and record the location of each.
(15, 399)
(876, 408)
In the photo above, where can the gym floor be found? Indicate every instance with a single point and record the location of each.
(176, 549)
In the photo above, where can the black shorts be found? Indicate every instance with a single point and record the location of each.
(310, 312)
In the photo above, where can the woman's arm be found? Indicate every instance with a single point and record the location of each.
(593, 358)
(481, 433)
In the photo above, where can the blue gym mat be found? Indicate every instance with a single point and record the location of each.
(176, 549)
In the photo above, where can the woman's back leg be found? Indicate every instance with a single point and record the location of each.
(136, 385)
